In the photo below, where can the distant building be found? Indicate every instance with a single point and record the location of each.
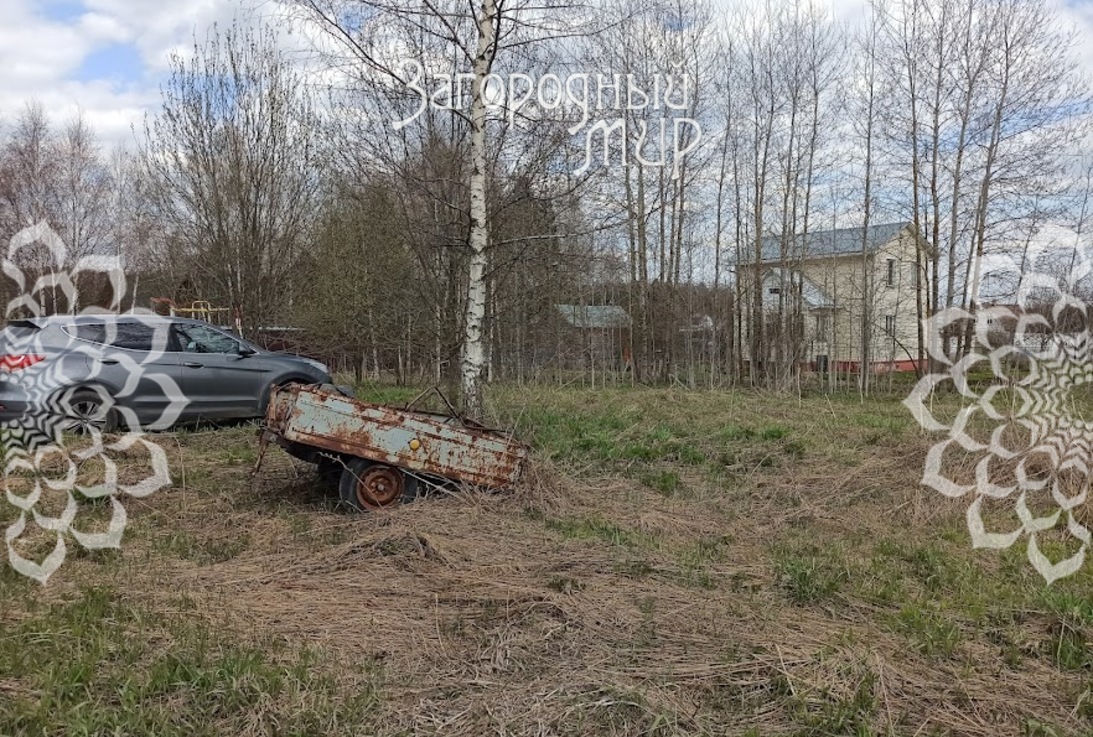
(1042, 330)
(593, 337)
(825, 271)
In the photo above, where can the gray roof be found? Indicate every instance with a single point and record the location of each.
(594, 316)
(838, 242)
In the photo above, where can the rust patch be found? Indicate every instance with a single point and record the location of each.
(467, 453)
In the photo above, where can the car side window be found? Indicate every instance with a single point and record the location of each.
(133, 336)
(198, 339)
(93, 332)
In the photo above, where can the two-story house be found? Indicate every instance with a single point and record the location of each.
(832, 277)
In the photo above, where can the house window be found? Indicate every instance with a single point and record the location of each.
(822, 326)
(914, 277)
(890, 274)
(774, 290)
(890, 324)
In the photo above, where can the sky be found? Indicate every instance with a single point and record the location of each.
(106, 58)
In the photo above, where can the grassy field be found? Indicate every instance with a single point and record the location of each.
(674, 563)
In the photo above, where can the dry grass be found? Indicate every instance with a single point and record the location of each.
(824, 593)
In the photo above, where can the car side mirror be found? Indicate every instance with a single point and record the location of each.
(245, 351)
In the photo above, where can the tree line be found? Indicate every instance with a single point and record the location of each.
(431, 236)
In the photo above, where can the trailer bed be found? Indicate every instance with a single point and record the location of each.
(306, 419)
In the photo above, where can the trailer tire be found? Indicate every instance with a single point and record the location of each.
(366, 486)
(329, 470)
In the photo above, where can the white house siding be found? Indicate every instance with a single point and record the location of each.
(840, 277)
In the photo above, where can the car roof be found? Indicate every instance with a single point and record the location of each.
(83, 319)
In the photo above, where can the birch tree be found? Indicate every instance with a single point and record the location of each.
(393, 49)
(474, 353)
(27, 170)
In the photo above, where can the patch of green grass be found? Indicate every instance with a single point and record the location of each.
(731, 433)
(808, 575)
(695, 559)
(773, 432)
(1071, 622)
(239, 456)
(584, 435)
(1069, 646)
(595, 527)
(932, 567)
(899, 569)
(824, 714)
(664, 482)
(189, 546)
(931, 632)
(690, 455)
(1077, 606)
(648, 435)
(92, 665)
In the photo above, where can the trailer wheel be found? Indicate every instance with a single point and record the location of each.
(329, 471)
(365, 485)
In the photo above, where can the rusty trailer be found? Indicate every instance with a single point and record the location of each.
(381, 455)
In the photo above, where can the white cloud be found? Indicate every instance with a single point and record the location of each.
(43, 49)
(44, 45)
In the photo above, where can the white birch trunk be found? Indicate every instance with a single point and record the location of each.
(474, 353)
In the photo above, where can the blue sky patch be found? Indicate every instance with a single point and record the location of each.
(60, 11)
(119, 63)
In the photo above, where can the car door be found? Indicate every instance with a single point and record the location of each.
(219, 380)
(137, 364)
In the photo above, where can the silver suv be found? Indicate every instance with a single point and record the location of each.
(100, 372)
